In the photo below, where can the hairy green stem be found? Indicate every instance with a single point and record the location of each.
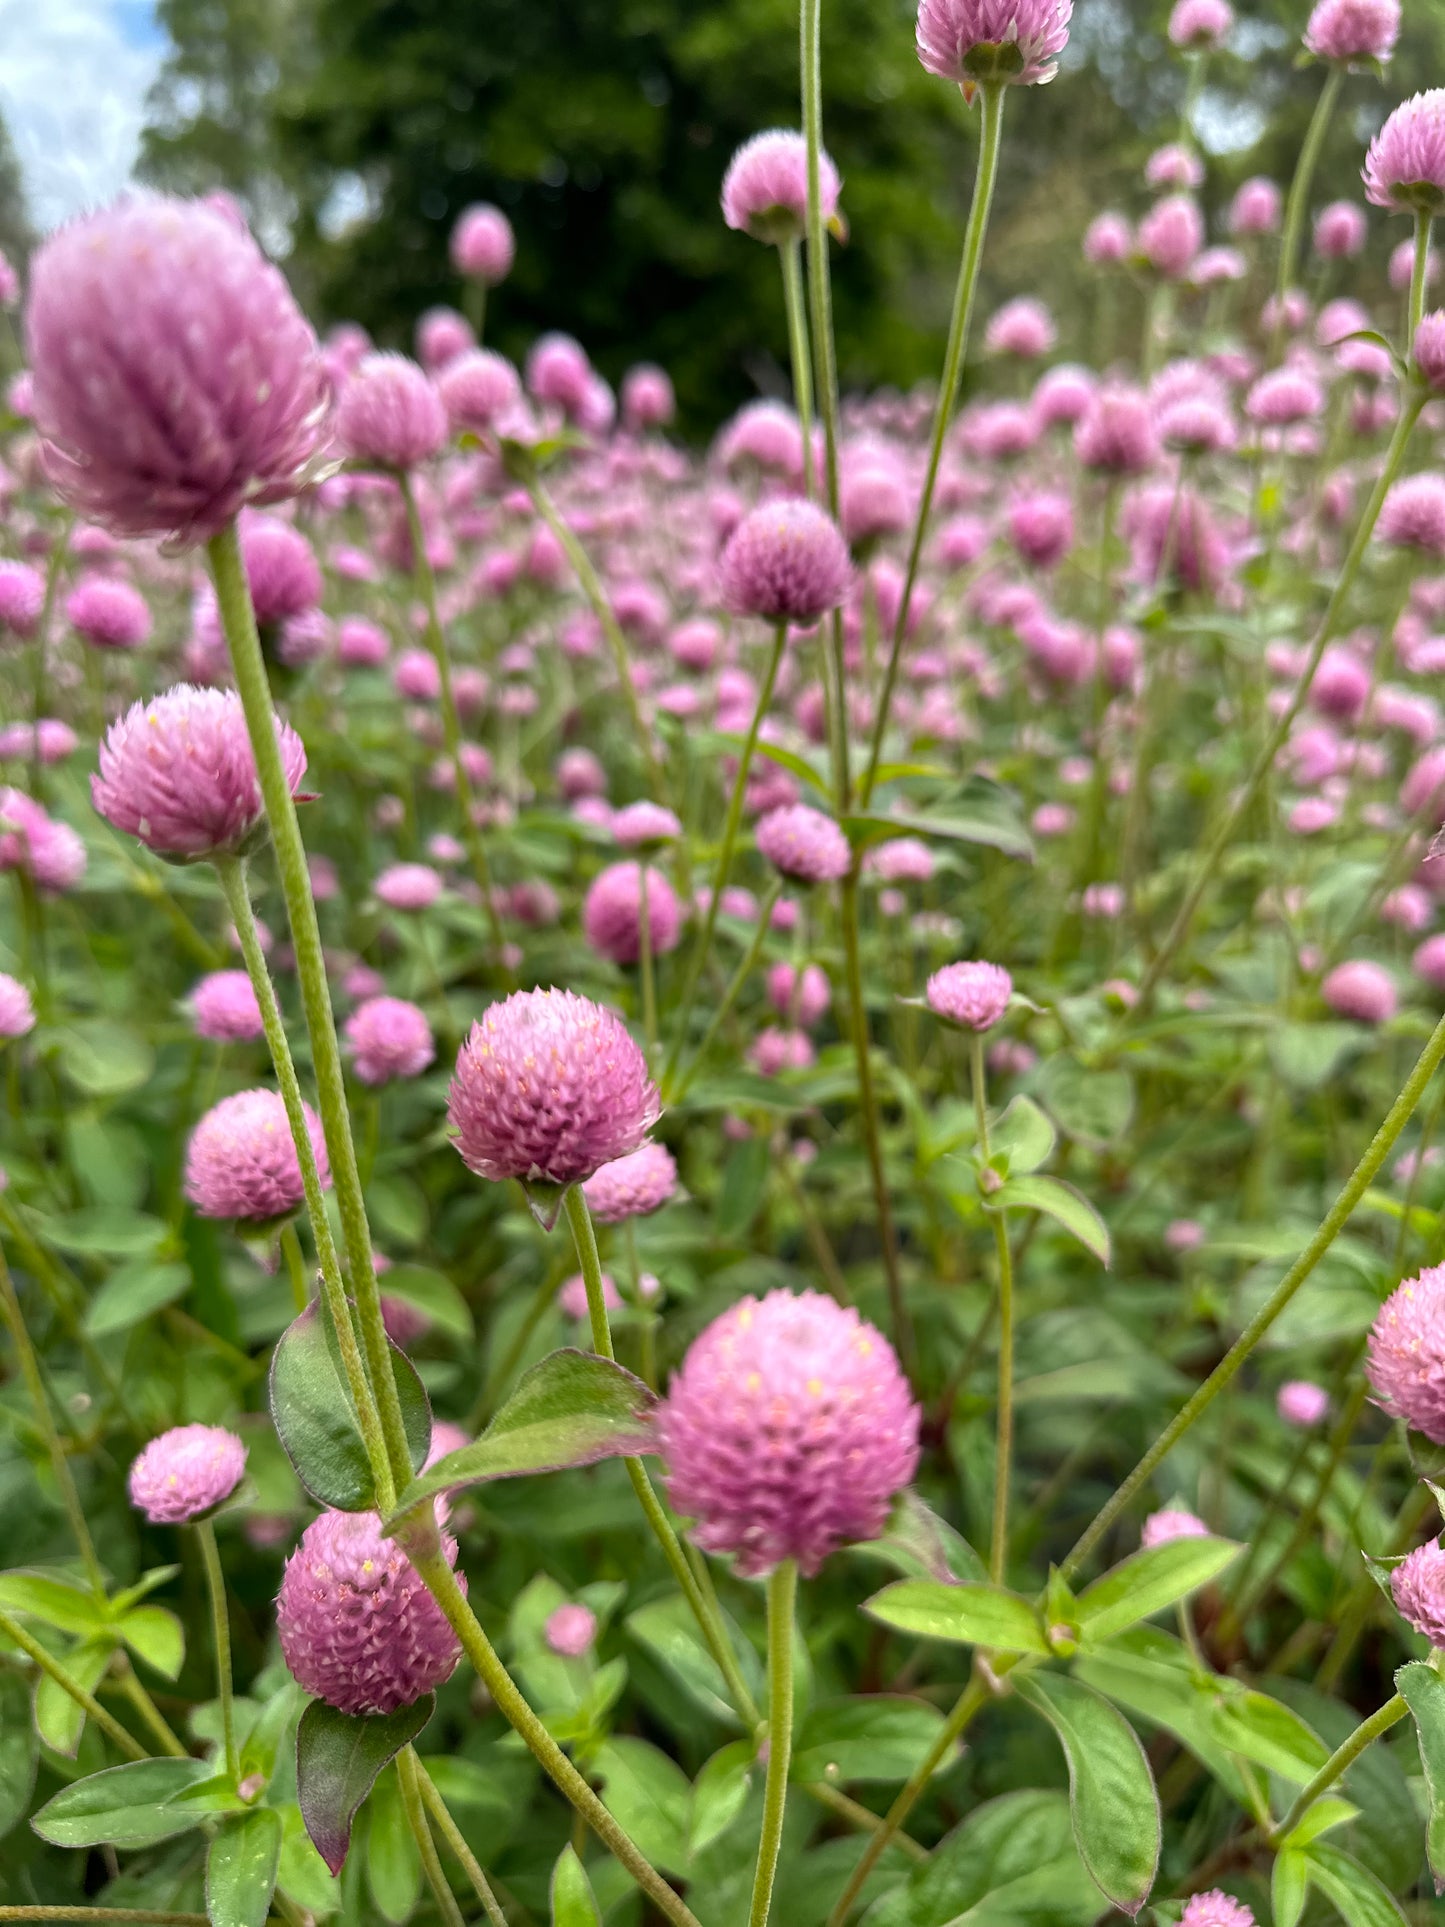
(782, 1594)
(68, 1684)
(1343, 1757)
(789, 255)
(437, 1807)
(1003, 1452)
(415, 1809)
(1419, 269)
(221, 1638)
(1297, 205)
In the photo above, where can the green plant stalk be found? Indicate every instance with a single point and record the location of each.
(238, 619)
(141, 1700)
(221, 1637)
(68, 1684)
(1343, 1757)
(437, 1807)
(789, 255)
(1003, 1451)
(135, 1914)
(1297, 205)
(1418, 269)
(295, 1267)
(415, 1810)
(730, 996)
(1194, 1408)
(42, 637)
(646, 963)
(958, 327)
(782, 1596)
(1329, 627)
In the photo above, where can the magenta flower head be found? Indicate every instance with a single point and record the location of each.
(974, 995)
(1116, 433)
(108, 613)
(1172, 1523)
(1014, 41)
(224, 1009)
(1200, 26)
(482, 244)
(178, 773)
(1413, 515)
(1340, 231)
(1171, 235)
(388, 1038)
(1215, 1909)
(765, 190)
(1417, 1585)
(1362, 990)
(241, 1161)
(1406, 1360)
(548, 1088)
(186, 1473)
(570, 1631)
(357, 1626)
(390, 413)
(786, 562)
(648, 400)
(1302, 1403)
(477, 389)
(1353, 31)
(1405, 167)
(1428, 351)
(40, 845)
(22, 598)
(17, 1013)
(1108, 239)
(612, 913)
(644, 825)
(787, 1432)
(632, 1187)
(803, 843)
(1256, 208)
(175, 377)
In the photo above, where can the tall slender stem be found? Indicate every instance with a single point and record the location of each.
(1003, 1452)
(789, 255)
(1297, 206)
(782, 1593)
(87, 1702)
(42, 637)
(1343, 1757)
(1419, 270)
(221, 1637)
(295, 1267)
(437, 1807)
(415, 1809)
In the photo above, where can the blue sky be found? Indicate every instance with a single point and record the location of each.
(73, 80)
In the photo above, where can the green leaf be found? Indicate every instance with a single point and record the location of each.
(1011, 1863)
(241, 1869)
(720, 1793)
(650, 1797)
(1332, 1811)
(667, 1629)
(1147, 1582)
(105, 1231)
(1060, 1201)
(316, 1420)
(59, 1720)
(573, 1902)
(1262, 1730)
(54, 1601)
(1150, 1672)
(338, 1756)
(572, 1408)
(878, 1738)
(980, 812)
(133, 1292)
(746, 1171)
(1112, 1800)
(1094, 1106)
(1424, 1693)
(1308, 1055)
(1289, 1887)
(1362, 1900)
(974, 1615)
(156, 1635)
(104, 1060)
(19, 1751)
(1023, 1138)
(125, 1806)
(920, 1545)
(434, 1294)
(393, 1864)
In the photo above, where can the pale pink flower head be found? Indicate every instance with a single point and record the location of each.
(409, 886)
(1115, 435)
(1215, 1909)
(1361, 990)
(108, 613)
(178, 773)
(241, 1161)
(648, 400)
(1160, 1528)
(1406, 1360)
(1340, 231)
(787, 1431)
(441, 335)
(17, 1013)
(1352, 31)
(33, 841)
(478, 389)
(224, 1009)
(1041, 527)
(1023, 327)
(1016, 41)
(1413, 515)
(22, 598)
(1405, 167)
(1302, 1403)
(974, 995)
(1284, 396)
(779, 1048)
(612, 912)
(137, 435)
(645, 825)
(803, 843)
(786, 561)
(1108, 239)
(1428, 351)
(1417, 1586)
(1256, 208)
(572, 1296)
(765, 189)
(281, 568)
(579, 773)
(802, 996)
(1174, 529)
(1171, 235)
(482, 244)
(549, 1087)
(390, 413)
(1200, 26)
(570, 1630)
(388, 1038)
(357, 1626)
(1184, 1234)
(186, 1473)
(559, 372)
(633, 1186)
(1174, 166)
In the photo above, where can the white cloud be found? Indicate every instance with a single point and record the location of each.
(73, 81)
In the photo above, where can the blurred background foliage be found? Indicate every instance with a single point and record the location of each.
(354, 131)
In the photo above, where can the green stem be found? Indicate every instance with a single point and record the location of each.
(647, 968)
(953, 359)
(87, 1702)
(1418, 271)
(295, 1267)
(1343, 1757)
(221, 1635)
(437, 1807)
(782, 1594)
(141, 1700)
(730, 995)
(1003, 1454)
(1297, 206)
(789, 254)
(136, 1914)
(53, 568)
(415, 1809)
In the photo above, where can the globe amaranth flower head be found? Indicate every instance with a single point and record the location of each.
(1362, 990)
(570, 1630)
(1406, 1360)
(224, 1008)
(1351, 31)
(612, 912)
(632, 1187)
(108, 613)
(17, 1013)
(1215, 1909)
(241, 1161)
(186, 1473)
(1428, 351)
(22, 599)
(390, 413)
(787, 1431)
(1405, 167)
(786, 562)
(388, 1038)
(175, 378)
(803, 843)
(974, 995)
(1174, 1522)
(1012, 41)
(1417, 1586)
(1413, 515)
(549, 1087)
(179, 773)
(1199, 26)
(482, 244)
(477, 390)
(31, 840)
(765, 189)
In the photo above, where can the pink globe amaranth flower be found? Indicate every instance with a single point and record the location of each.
(1199, 26)
(973, 994)
(482, 244)
(763, 434)
(787, 1432)
(765, 189)
(648, 400)
(22, 598)
(1115, 434)
(803, 843)
(1428, 351)
(441, 335)
(1256, 208)
(1184, 1234)
(17, 1013)
(281, 568)
(1424, 786)
(1174, 166)
(409, 886)
(478, 389)
(1284, 396)
(1215, 1909)
(1108, 240)
(549, 1087)
(175, 378)
(1340, 231)
(643, 824)
(405, 1323)
(31, 840)
(1171, 235)
(1413, 515)
(558, 371)
(1022, 327)
(1173, 528)
(224, 1009)
(1361, 990)
(785, 562)
(1428, 961)
(109, 613)
(1406, 1360)
(612, 913)
(874, 501)
(632, 1187)
(186, 1473)
(1041, 527)
(802, 996)
(1417, 1586)
(572, 1296)
(390, 413)
(1405, 168)
(241, 1161)
(1302, 1403)
(361, 644)
(1160, 1528)
(1353, 30)
(389, 1038)
(1017, 41)
(357, 1626)
(178, 772)
(417, 676)
(781, 1048)
(570, 1631)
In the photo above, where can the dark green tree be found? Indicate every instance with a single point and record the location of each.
(17, 236)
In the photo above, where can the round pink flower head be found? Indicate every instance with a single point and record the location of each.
(1362, 990)
(802, 996)
(281, 568)
(1340, 231)
(1017, 41)
(17, 1013)
(787, 1432)
(1199, 26)
(1256, 208)
(482, 244)
(224, 1008)
(549, 1086)
(388, 1038)
(1406, 1362)
(1428, 351)
(186, 1473)
(645, 825)
(357, 1626)
(178, 773)
(1108, 239)
(803, 843)
(1171, 235)
(647, 397)
(572, 1296)
(1413, 515)
(612, 913)
(441, 335)
(1215, 1909)
(390, 413)
(32, 841)
(1303, 1403)
(1116, 433)
(1417, 1585)
(1174, 166)
(765, 189)
(409, 886)
(1023, 327)
(477, 390)
(22, 597)
(241, 1161)
(975, 995)
(1405, 167)
(1350, 31)
(632, 1187)
(786, 562)
(1172, 1523)
(108, 613)
(1041, 527)
(175, 377)
(570, 1630)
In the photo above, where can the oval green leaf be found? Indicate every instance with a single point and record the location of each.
(573, 1902)
(241, 1869)
(1148, 1581)
(125, 1806)
(338, 1756)
(973, 1615)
